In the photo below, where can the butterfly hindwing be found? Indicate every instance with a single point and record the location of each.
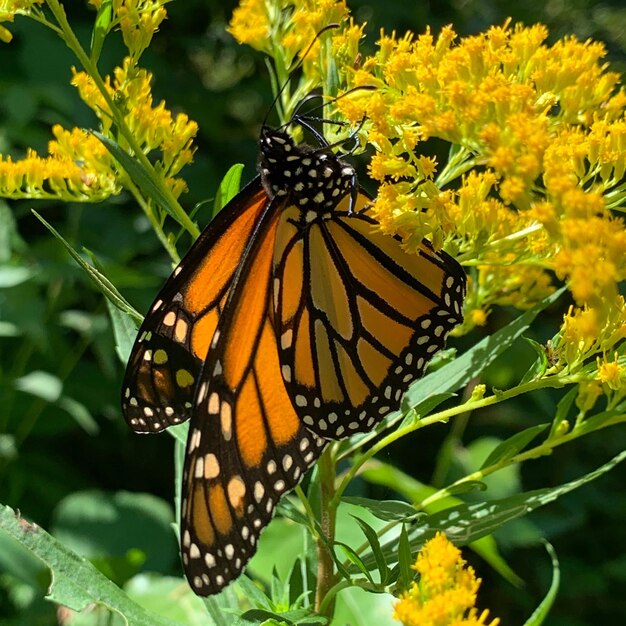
(358, 317)
(174, 338)
(246, 444)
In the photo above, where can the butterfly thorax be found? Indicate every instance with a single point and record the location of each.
(313, 179)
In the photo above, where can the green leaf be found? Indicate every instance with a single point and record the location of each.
(564, 406)
(80, 414)
(40, 384)
(139, 175)
(124, 330)
(511, 446)
(459, 372)
(539, 367)
(387, 510)
(103, 284)
(372, 539)
(98, 524)
(358, 607)
(101, 28)
(469, 522)
(541, 612)
(356, 560)
(13, 275)
(170, 597)
(405, 560)
(76, 583)
(229, 187)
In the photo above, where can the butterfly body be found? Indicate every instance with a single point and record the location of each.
(291, 321)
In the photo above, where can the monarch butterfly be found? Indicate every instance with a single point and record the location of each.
(291, 321)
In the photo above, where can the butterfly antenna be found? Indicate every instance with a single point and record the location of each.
(296, 67)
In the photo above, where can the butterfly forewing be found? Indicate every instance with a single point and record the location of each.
(358, 317)
(174, 338)
(246, 445)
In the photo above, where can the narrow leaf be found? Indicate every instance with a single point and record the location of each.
(511, 446)
(103, 284)
(541, 612)
(229, 187)
(405, 560)
(124, 331)
(387, 510)
(356, 560)
(139, 175)
(372, 539)
(469, 522)
(100, 29)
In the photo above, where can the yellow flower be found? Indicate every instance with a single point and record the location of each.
(250, 24)
(77, 169)
(138, 21)
(9, 9)
(611, 373)
(445, 594)
(154, 127)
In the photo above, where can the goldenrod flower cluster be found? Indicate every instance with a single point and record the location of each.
(9, 9)
(445, 594)
(153, 127)
(78, 167)
(531, 191)
(537, 135)
(137, 19)
(290, 33)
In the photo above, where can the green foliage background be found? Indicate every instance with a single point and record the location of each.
(67, 460)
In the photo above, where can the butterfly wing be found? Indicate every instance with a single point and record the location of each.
(246, 444)
(174, 338)
(358, 317)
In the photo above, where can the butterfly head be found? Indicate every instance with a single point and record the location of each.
(311, 178)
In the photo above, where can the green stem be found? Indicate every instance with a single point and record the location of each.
(326, 577)
(443, 416)
(74, 45)
(542, 449)
(452, 440)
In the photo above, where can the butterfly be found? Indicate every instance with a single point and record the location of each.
(292, 321)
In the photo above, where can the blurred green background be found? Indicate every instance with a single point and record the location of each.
(67, 459)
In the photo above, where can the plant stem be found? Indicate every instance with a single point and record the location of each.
(443, 416)
(326, 577)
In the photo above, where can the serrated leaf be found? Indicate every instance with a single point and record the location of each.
(229, 188)
(511, 446)
(103, 284)
(541, 612)
(76, 583)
